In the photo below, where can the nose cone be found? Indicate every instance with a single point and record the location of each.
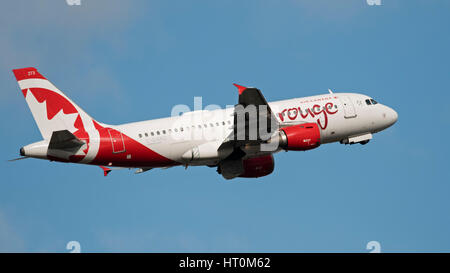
(394, 116)
(390, 116)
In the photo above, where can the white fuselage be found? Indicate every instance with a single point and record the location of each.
(348, 115)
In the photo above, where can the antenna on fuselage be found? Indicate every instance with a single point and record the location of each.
(329, 90)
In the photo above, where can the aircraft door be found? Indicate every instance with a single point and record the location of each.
(349, 108)
(117, 142)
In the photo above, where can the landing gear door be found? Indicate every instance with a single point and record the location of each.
(349, 108)
(117, 141)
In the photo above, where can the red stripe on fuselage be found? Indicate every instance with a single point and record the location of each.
(135, 154)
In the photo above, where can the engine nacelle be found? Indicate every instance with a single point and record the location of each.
(300, 137)
(258, 166)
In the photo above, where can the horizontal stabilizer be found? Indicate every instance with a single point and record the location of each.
(62, 140)
(105, 170)
(19, 158)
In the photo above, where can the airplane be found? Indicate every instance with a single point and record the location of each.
(238, 141)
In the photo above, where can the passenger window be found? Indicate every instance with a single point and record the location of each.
(223, 122)
(140, 135)
(146, 134)
(157, 132)
(164, 131)
(181, 129)
(176, 130)
(211, 125)
(152, 133)
(368, 102)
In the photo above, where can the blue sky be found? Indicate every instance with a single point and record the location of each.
(126, 61)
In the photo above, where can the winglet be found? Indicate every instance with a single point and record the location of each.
(105, 170)
(240, 88)
(329, 90)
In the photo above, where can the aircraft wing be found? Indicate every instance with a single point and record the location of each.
(254, 122)
(249, 97)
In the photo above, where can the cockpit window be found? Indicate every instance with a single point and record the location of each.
(368, 102)
(373, 101)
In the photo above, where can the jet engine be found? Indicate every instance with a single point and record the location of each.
(249, 168)
(299, 137)
(258, 166)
